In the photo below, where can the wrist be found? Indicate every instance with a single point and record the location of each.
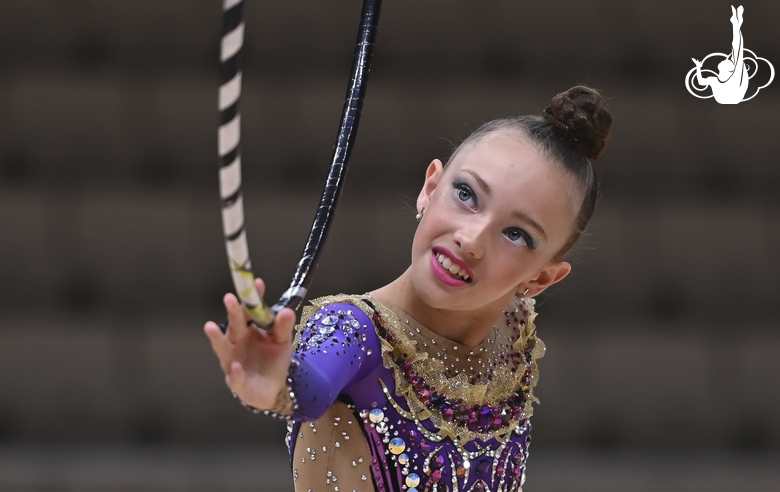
(285, 403)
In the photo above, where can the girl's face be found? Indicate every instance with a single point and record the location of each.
(493, 223)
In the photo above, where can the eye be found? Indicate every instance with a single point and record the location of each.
(520, 237)
(464, 193)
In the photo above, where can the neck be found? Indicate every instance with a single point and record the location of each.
(466, 327)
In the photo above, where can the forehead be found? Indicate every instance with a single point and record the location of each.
(499, 151)
(509, 158)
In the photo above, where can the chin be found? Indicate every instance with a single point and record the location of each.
(435, 295)
(438, 297)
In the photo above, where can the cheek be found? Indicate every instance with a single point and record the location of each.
(515, 267)
(423, 236)
(434, 223)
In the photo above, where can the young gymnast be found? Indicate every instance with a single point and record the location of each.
(426, 384)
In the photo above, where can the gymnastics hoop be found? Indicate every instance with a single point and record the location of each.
(229, 136)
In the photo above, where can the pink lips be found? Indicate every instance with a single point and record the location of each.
(444, 275)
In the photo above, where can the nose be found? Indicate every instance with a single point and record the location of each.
(470, 237)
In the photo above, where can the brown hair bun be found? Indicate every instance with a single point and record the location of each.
(582, 113)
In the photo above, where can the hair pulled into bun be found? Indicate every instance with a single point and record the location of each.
(582, 113)
(572, 131)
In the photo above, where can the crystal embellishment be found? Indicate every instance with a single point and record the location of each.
(396, 445)
(376, 415)
(412, 480)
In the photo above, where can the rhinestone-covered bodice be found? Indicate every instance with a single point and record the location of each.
(419, 412)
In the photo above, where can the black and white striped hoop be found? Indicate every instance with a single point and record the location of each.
(229, 137)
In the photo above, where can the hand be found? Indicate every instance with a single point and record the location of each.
(255, 361)
(697, 62)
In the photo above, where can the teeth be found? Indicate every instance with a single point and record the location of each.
(454, 269)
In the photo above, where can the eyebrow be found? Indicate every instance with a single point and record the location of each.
(523, 217)
(481, 182)
(518, 215)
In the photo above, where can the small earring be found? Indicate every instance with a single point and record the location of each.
(419, 215)
(524, 293)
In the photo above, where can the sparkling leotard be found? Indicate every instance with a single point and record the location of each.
(385, 404)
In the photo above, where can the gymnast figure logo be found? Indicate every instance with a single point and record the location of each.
(735, 70)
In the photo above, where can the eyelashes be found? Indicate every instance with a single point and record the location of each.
(464, 192)
(515, 234)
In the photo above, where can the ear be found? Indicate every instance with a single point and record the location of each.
(551, 274)
(432, 176)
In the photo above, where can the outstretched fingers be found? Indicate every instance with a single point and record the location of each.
(238, 328)
(255, 361)
(219, 344)
(237, 318)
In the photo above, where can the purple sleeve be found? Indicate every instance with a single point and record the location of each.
(338, 346)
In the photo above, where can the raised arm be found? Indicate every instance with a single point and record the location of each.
(267, 373)
(255, 362)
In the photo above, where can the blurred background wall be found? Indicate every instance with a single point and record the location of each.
(665, 337)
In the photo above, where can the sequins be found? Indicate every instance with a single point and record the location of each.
(403, 458)
(381, 427)
(321, 328)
